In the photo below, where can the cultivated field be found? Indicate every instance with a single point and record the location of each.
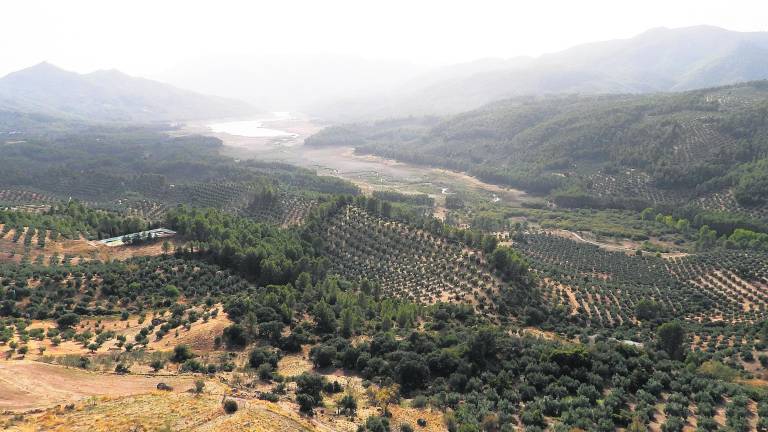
(43, 247)
(408, 262)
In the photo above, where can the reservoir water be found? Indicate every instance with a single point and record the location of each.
(254, 128)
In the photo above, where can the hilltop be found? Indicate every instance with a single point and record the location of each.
(108, 95)
(660, 59)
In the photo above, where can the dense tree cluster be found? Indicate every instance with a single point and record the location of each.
(262, 252)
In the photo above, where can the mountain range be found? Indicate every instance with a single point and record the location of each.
(658, 60)
(341, 89)
(108, 95)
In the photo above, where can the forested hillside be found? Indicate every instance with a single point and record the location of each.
(709, 145)
(141, 170)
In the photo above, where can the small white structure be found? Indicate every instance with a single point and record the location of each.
(157, 233)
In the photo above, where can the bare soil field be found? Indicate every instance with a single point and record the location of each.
(157, 411)
(14, 251)
(26, 385)
(80, 249)
(126, 252)
(295, 364)
(200, 337)
(411, 416)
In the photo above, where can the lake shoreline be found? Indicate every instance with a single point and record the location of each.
(369, 172)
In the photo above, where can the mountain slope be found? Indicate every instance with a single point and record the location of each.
(108, 96)
(669, 147)
(657, 60)
(745, 63)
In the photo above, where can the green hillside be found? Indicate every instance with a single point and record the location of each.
(662, 148)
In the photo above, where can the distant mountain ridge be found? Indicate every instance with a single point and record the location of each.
(108, 95)
(657, 60)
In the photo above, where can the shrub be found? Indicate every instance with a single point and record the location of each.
(230, 406)
(181, 353)
(420, 401)
(306, 403)
(83, 362)
(192, 365)
(348, 404)
(170, 291)
(261, 356)
(68, 320)
(265, 371)
(269, 396)
(199, 386)
(717, 370)
(234, 336)
(157, 364)
(377, 424)
(323, 356)
(332, 387)
(310, 385)
(763, 360)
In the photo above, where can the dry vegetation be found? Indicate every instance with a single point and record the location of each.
(43, 249)
(27, 385)
(156, 411)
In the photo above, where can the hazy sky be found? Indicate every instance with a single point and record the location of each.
(148, 37)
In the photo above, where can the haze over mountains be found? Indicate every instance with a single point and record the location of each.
(657, 60)
(108, 95)
(347, 89)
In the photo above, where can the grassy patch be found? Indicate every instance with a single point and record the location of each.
(717, 370)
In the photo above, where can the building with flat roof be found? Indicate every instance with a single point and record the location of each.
(156, 233)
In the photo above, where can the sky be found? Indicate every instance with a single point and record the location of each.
(146, 37)
(163, 39)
